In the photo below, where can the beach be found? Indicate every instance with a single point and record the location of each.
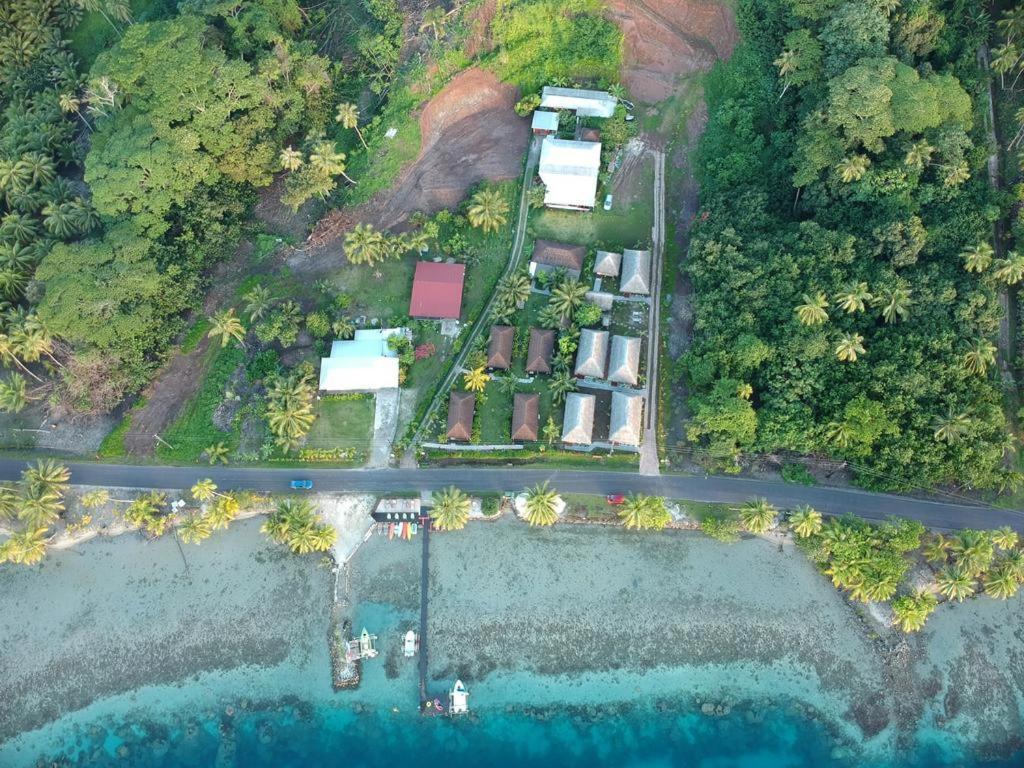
(552, 629)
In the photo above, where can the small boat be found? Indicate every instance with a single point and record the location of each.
(409, 647)
(391, 531)
(458, 699)
(415, 528)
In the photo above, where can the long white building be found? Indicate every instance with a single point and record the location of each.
(569, 171)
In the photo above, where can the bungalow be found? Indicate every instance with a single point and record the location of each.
(624, 367)
(499, 353)
(569, 170)
(544, 123)
(578, 423)
(592, 354)
(460, 416)
(636, 272)
(526, 416)
(363, 364)
(538, 355)
(549, 255)
(437, 291)
(583, 102)
(627, 419)
(607, 264)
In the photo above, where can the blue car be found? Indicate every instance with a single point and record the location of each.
(301, 485)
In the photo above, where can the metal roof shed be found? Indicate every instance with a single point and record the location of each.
(583, 102)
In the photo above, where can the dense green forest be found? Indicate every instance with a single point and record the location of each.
(846, 294)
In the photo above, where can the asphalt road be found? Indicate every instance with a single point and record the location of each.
(941, 515)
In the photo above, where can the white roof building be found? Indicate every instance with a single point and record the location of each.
(607, 264)
(578, 422)
(545, 122)
(636, 272)
(626, 423)
(364, 364)
(584, 103)
(569, 171)
(624, 367)
(592, 354)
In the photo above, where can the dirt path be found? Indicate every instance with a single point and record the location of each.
(469, 134)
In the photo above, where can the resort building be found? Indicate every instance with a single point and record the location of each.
(363, 364)
(592, 354)
(636, 272)
(624, 365)
(578, 423)
(549, 256)
(544, 123)
(607, 264)
(460, 416)
(569, 171)
(538, 355)
(584, 103)
(604, 300)
(627, 419)
(526, 417)
(499, 353)
(437, 291)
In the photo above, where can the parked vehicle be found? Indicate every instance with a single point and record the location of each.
(608, 203)
(301, 485)
(615, 499)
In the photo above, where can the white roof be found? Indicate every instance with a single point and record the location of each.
(627, 415)
(592, 354)
(578, 422)
(545, 121)
(584, 103)
(364, 364)
(569, 171)
(624, 367)
(636, 272)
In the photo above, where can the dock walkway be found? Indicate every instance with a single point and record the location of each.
(424, 586)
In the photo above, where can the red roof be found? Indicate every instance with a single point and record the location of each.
(437, 290)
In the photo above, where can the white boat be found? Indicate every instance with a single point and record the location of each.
(458, 699)
(409, 647)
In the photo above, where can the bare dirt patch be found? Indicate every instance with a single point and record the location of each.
(470, 134)
(668, 38)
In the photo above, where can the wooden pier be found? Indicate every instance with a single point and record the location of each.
(424, 587)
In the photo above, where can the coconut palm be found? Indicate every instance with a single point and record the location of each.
(204, 490)
(951, 427)
(876, 588)
(919, 154)
(849, 347)
(26, 547)
(226, 326)
(1014, 562)
(289, 419)
(343, 327)
(814, 310)
(561, 384)
(936, 548)
(542, 504)
(451, 509)
(567, 297)
(977, 258)
(973, 549)
(853, 168)
(644, 512)
(853, 297)
(39, 507)
(1000, 582)
(488, 210)
(805, 522)
(348, 116)
(955, 174)
(364, 245)
(295, 524)
(9, 354)
(758, 516)
(508, 384)
(194, 529)
(978, 358)
(224, 511)
(13, 393)
(895, 303)
(1009, 270)
(840, 433)
(327, 160)
(217, 453)
(48, 475)
(258, 302)
(912, 611)
(955, 583)
(516, 288)
(1005, 538)
(476, 379)
(434, 21)
(290, 159)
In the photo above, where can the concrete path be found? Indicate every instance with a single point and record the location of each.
(385, 424)
(649, 462)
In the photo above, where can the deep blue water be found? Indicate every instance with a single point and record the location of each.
(289, 734)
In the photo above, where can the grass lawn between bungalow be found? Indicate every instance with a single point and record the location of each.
(343, 423)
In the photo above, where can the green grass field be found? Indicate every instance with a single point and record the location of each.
(343, 424)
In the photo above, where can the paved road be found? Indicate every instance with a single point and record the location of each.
(649, 460)
(729, 490)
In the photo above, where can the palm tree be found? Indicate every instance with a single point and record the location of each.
(805, 522)
(224, 511)
(226, 326)
(295, 524)
(550, 431)
(1000, 582)
(977, 258)
(853, 168)
(912, 611)
(895, 303)
(814, 309)
(364, 245)
(561, 384)
(853, 298)
(95, 499)
(647, 512)
(758, 516)
(434, 20)
(9, 354)
(956, 174)
(195, 529)
(978, 358)
(788, 62)
(488, 210)
(951, 427)
(1009, 270)
(476, 379)
(290, 159)
(258, 302)
(13, 393)
(348, 116)
(568, 297)
(936, 548)
(204, 490)
(542, 504)
(217, 453)
(919, 154)
(289, 419)
(40, 507)
(1005, 538)
(516, 287)
(744, 391)
(955, 583)
(48, 475)
(27, 547)
(973, 549)
(451, 509)
(840, 433)
(850, 346)
(327, 160)
(1014, 562)
(508, 384)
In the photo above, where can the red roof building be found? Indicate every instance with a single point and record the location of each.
(437, 291)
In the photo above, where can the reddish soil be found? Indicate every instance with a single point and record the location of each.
(469, 134)
(668, 38)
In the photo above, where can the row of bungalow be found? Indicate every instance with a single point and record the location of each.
(525, 416)
(625, 427)
(632, 267)
(593, 360)
(538, 354)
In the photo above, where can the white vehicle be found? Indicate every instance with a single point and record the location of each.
(608, 203)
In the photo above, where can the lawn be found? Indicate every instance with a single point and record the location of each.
(343, 423)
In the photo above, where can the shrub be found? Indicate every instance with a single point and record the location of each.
(721, 529)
